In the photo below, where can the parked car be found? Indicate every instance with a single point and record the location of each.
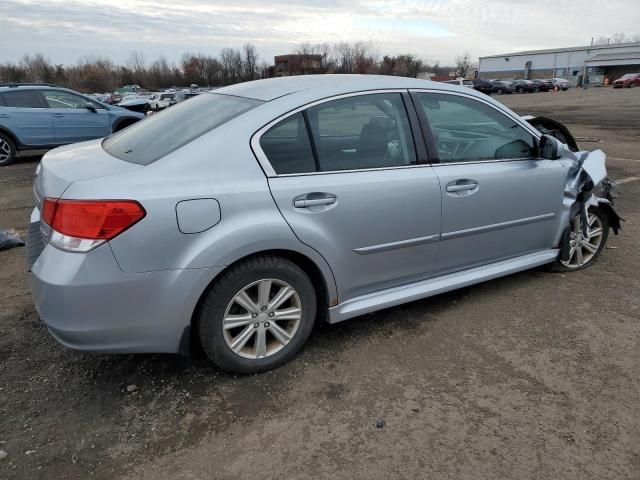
(284, 201)
(140, 105)
(462, 82)
(560, 84)
(543, 85)
(502, 86)
(41, 117)
(629, 80)
(483, 86)
(160, 101)
(183, 95)
(527, 86)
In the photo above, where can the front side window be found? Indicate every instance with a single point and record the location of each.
(467, 130)
(22, 99)
(156, 136)
(365, 131)
(59, 99)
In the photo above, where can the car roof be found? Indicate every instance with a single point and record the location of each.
(322, 86)
(32, 86)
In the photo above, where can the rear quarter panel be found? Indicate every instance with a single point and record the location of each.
(209, 167)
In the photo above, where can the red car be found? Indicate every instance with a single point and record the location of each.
(629, 80)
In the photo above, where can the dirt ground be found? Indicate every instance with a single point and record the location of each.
(530, 376)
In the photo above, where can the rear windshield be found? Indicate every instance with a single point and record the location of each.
(160, 134)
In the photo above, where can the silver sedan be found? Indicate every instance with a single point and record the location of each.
(239, 218)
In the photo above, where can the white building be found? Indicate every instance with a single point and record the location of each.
(602, 63)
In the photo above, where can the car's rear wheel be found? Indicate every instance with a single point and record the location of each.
(7, 150)
(521, 90)
(584, 249)
(257, 315)
(499, 91)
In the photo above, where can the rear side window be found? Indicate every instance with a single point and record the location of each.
(287, 146)
(22, 99)
(147, 141)
(361, 132)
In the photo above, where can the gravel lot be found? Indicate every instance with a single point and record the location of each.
(526, 377)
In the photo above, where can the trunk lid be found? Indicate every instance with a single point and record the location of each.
(61, 167)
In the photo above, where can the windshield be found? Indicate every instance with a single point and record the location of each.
(156, 136)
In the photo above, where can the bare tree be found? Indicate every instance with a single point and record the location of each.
(250, 61)
(464, 65)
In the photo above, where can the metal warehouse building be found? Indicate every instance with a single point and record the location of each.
(602, 63)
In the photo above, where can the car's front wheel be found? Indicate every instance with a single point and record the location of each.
(257, 315)
(584, 250)
(7, 150)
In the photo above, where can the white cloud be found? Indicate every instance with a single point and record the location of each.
(433, 29)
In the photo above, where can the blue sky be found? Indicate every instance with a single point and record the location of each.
(65, 30)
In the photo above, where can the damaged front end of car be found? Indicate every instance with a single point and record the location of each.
(587, 185)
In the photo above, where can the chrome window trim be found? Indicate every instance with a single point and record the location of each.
(266, 165)
(519, 120)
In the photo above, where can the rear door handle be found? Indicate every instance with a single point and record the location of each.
(57, 115)
(314, 199)
(4, 115)
(461, 187)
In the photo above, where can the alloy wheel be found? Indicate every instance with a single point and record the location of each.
(5, 150)
(583, 248)
(262, 318)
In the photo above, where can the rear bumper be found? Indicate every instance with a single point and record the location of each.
(89, 304)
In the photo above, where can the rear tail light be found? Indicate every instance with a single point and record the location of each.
(82, 225)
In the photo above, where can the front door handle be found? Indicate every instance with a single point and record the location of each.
(57, 115)
(314, 199)
(4, 115)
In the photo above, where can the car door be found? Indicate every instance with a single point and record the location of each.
(499, 200)
(23, 114)
(344, 173)
(72, 120)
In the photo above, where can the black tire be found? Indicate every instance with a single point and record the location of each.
(499, 91)
(521, 90)
(7, 149)
(558, 266)
(556, 88)
(223, 291)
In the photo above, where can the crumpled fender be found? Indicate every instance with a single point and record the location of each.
(554, 128)
(587, 186)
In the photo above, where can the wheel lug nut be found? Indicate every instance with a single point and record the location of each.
(256, 325)
(263, 308)
(266, 324)
(271, 314)
(254, 315)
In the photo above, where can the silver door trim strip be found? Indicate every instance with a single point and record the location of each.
(497, 226)
(394, 245)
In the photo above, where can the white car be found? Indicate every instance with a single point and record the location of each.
(461, 81)
(161, 100)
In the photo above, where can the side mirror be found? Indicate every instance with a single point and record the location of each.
(550, 147)
(91, 107)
